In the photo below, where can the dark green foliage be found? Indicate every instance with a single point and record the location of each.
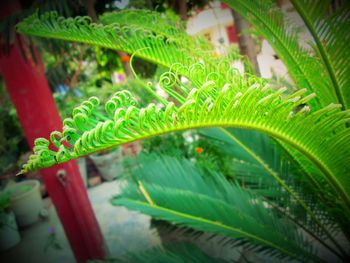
(207, 203)
(174, 253)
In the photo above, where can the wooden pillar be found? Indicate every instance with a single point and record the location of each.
(245, 41)
(183, 9)
(29, 91)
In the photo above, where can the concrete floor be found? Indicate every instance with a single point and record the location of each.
(123, 231)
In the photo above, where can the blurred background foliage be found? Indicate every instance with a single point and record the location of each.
(12, 141)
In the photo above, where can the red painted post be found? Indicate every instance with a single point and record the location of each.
(29, 91)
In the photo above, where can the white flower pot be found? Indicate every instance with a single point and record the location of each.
(26, 201)
(9, 235)
(109, 165)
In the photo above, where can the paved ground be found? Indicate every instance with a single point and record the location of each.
(122, 229)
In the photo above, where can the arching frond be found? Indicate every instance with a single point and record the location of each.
(304, 68)
(246, 102)
(160, 47)
(332, 42)
(177, 191)
(158, 44)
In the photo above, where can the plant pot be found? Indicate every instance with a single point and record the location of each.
(9, 235)
(26, 201)
(109, 165)
(82, 169)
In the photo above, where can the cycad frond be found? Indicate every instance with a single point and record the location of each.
(164, 47)
(113, 36)
(246, 102)
(332, 42)
(157, 44)
(305, 69)
(177, 191)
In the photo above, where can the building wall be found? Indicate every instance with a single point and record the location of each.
(212, 22)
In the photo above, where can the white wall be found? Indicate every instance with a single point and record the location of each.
(212, 21)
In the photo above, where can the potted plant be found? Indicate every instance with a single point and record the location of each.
(109, 163)
(9, 235)
(25, 201)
